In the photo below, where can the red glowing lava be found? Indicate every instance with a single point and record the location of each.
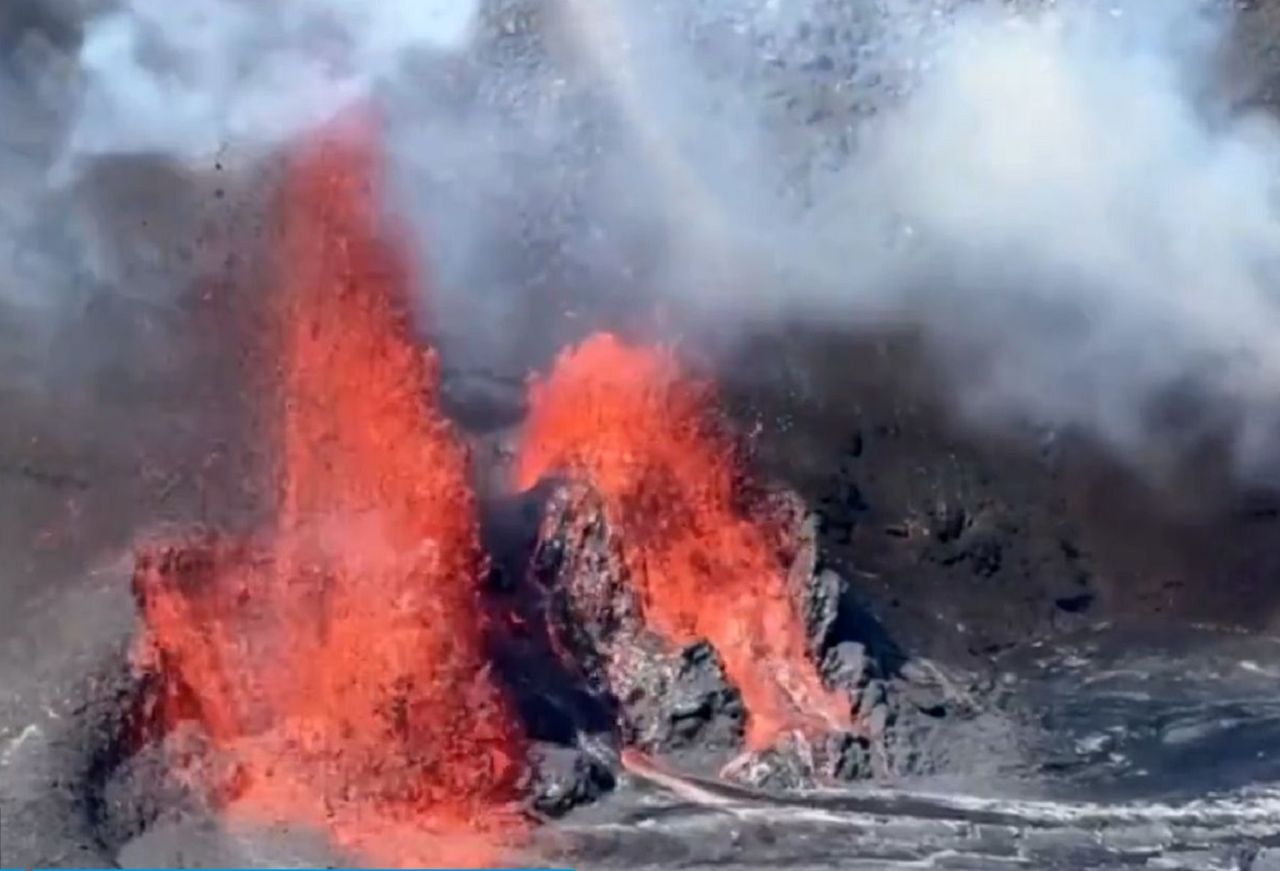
(339, 666)
(629, 421)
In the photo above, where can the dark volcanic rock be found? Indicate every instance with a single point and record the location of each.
(678, 703)
(142, 791)
(797, 762)
(669, 700)
(592, 608)
(682, 704)
(562, 778)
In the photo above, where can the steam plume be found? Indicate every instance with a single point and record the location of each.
(1049, 193)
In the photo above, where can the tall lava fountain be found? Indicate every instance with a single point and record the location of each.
(337, 666)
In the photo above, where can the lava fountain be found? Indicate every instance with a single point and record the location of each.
(337, 665)
(630, 422)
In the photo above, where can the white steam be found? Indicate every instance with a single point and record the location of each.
(1083, 237)
(1049, 193)
(194, 76)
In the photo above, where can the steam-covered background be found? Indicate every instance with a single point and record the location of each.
(1066, 209)
(1059, 197)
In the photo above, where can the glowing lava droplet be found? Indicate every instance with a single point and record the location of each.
(629, 421)
(340, 669)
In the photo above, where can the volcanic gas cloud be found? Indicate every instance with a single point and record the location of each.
(642, 433)
(337, 666)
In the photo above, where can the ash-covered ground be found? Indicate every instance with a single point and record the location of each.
(1066, 665)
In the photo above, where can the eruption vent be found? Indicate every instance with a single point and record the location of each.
(339, 669)
(626, 419)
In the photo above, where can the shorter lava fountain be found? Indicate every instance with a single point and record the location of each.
(337, 665)
(640, 432)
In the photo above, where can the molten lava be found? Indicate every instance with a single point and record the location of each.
(628, 420)
(338, 667)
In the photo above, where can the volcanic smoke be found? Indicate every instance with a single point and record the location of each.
(339, 668)
(631, 423)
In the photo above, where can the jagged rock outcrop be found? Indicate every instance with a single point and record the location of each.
(677, 702)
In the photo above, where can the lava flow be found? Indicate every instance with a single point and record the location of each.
(630, 422)
(338, 667)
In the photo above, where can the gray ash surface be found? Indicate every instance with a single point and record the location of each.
(1112, 747)
(1171, 746)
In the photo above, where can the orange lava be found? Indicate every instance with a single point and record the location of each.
(339, 667)
(629, 421)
